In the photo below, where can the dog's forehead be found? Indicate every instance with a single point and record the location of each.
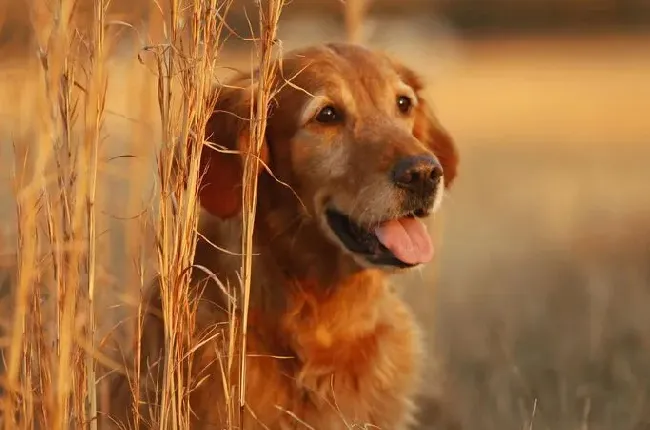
(333, 65)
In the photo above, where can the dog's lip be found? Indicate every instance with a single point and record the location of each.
(420, 213)
(363, 241)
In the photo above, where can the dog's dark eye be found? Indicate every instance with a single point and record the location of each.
(404, 104)
(328, 115)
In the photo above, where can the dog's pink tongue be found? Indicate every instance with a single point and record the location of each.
(407, 238)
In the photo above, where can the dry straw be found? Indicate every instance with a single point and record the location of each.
(50, 363)
(52, 350)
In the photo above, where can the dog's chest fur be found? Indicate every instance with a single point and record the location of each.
(331, 359)
(329, 355)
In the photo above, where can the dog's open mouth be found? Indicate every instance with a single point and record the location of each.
(401, 242)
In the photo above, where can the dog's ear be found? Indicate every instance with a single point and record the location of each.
(428, 129)
(220, 190)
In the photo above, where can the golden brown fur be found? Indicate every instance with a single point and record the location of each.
(331, 344)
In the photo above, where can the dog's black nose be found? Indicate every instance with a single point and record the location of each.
(420, 173)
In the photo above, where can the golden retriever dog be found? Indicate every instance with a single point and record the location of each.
(358, 162)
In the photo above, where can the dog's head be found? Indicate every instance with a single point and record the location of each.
(352, 134)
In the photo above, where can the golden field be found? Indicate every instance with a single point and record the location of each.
(538, 306)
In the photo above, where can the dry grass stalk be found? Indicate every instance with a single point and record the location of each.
(55, 69)
(264, 90)
(56, 182)
(95, 107)
(354, 12)
(186, 68)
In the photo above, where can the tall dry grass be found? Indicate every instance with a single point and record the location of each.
(50, 365)
(54, 358)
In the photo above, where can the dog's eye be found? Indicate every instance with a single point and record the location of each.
(328, 115)
(404, 104)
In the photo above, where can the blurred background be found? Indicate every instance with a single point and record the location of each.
(538, 306)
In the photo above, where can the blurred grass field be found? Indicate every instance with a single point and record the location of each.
(539, 303)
